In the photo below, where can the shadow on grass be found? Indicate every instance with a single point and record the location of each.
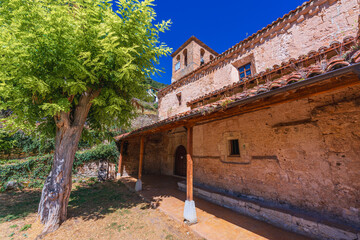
(88, 201)
(99, 199)
(14, 205)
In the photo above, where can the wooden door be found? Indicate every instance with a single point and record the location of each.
(180, 161)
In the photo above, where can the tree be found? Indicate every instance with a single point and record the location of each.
(65, 64)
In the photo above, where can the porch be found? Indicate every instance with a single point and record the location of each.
(214, 221)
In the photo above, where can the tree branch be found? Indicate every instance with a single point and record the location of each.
(83, 107)
(62, 119)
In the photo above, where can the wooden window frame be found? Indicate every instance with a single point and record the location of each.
(242, 62)
(243, 70)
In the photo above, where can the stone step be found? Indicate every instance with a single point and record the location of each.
(293, 221)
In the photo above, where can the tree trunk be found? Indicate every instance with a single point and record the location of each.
(57, 187)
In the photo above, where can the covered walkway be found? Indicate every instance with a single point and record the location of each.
(214, 222)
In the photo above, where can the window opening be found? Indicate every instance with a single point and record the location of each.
(185, 58)
(234, 147)
(178, 95)
(202, 54)
(177, 65)
(245, 71)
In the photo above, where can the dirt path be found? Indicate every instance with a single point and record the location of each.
(96, 211)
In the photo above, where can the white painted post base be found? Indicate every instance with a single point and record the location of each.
(118, 176)
(138, 185)
(190, 212)
(124, 173)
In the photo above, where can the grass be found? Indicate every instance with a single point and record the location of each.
(25, 227)
(116, 212)
(103, 199)
(22, 205)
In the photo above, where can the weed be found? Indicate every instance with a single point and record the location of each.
(13, 226)
(92, 179)
(169, 237)
(11, 234)
(125, 211)
(113, 225)
(25, 227)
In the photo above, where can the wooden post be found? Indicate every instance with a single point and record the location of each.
(141, 157)
(138, 186)
(189, 209)
(189, 170)
(120, 160)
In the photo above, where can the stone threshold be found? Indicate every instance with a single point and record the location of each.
(290, 220)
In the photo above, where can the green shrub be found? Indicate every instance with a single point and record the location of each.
(19, 142)
(35, 169)
(100, 152)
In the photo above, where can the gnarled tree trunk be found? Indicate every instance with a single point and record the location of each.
(57, 187)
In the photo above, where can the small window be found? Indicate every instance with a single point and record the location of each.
(202, 54)
(177, 65)
(185, 58)
(245, 71)
(234, 147)
(178, 95)
(211, 57)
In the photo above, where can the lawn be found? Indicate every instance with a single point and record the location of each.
(96, 211)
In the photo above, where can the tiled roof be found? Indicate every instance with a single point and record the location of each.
(310, 65)
(309, 7)
(295, 78)
(195, 39)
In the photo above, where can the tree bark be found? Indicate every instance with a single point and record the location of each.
(57, 187)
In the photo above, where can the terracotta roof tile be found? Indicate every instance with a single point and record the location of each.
(333, 63)
(264, 32)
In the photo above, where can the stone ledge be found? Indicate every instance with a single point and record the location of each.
(304, 225)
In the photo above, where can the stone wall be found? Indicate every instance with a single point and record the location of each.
(154, 152)
(102, 170)
(303, 153)
(172, 140)
(193, 59)
(318, 26)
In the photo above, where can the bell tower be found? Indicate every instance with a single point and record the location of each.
(190, 56)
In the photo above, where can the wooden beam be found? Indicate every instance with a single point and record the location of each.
(141, 156)
(120, 158)
(189, 165)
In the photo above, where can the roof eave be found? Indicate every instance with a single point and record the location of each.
(355, 68)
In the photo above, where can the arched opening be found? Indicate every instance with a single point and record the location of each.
(177, 64)
(202, 54)
(211, 57)
(185, 58)
(180, 161)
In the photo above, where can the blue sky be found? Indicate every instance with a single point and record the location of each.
(219, 24)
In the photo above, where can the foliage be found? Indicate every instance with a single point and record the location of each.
(35, 169)
(54, 52)
(20, 143)
(155, 84)
(107, 152)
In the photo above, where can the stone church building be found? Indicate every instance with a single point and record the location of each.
(269, 128)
